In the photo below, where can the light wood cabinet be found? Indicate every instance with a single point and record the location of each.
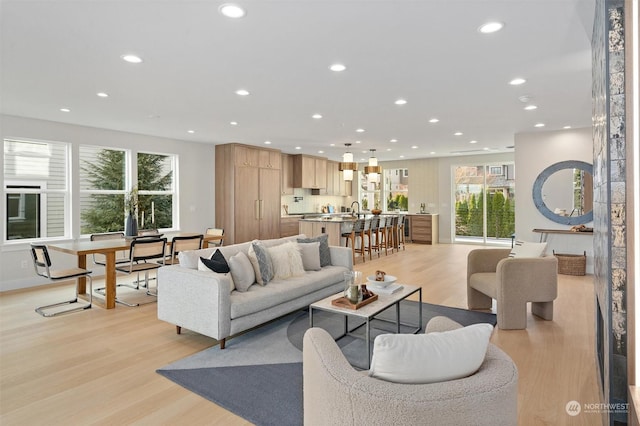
(247, 196)
(286, 174)
(309, 172)
(289, 226)
(424, 228)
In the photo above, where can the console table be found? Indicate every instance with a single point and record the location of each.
(544, 233)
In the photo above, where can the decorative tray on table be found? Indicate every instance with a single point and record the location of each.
(343, 302)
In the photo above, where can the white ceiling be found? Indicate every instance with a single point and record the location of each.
(59, 54)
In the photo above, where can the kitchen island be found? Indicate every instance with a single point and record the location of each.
(334, 226)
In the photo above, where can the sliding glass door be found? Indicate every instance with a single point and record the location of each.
(484, 203)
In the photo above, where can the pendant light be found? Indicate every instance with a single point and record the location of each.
(373, 170)
(347, 166)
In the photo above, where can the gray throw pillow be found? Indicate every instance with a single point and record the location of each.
(261, 261)
(325, 254)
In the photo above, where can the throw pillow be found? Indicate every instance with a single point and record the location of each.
(203, 267)
(217, 263)
(526, 249)
(325, 253)
(287, 261)
(430, 358)
(261, 261)
(310, 253)
(242, 271)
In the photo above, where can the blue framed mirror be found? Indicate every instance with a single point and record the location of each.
(563, 192)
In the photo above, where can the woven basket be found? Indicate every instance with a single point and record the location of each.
(571, 264)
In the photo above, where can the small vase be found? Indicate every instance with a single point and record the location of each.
(352, 290)
(131, 226)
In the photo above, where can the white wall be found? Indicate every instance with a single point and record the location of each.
(196, 164)
(535, 152)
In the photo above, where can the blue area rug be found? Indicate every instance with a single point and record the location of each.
(259, 374)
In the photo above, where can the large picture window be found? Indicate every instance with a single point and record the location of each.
(156, 190)
(36, 187)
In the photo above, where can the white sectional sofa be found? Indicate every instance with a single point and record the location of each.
(202, 301)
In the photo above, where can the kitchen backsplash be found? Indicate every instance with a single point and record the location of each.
(312, 203)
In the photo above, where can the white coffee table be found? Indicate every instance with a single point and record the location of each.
(368, 312)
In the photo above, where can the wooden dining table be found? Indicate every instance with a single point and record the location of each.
(109, 248)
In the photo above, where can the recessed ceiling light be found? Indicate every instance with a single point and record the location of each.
(242, 92)
(132, 59)
(191, 131)
(491, 27)
(267, 142)
(102, 95)
(473, 141)
(65, 110)
(457, 134)
(432, 152)
(530, 107)
(332, 144)
(566, 127)
(360, 130)
(337, 67)
(517, 81)
(539, 125)
(402, 156)
(358, 141)
(231, 10)
(414, 147)
(233, 123)
(316, 116)
(388, 149)
(321, 152)
(433, 120)
(401, 102)
(393, 140)
(485, 148)
(297, 147)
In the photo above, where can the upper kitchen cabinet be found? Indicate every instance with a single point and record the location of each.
(309, 172)
(286, 174)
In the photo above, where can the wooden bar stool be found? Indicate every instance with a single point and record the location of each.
(374, 230)
(357, 230)
(402, 221)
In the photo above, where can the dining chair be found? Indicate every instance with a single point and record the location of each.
(141, 252)
(148, 233)
(42, 266)
(121, 256)
(217, 232)
(402, 223)
(182, 243)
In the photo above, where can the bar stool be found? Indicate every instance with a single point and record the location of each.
(42, 266)
(391, 226)
(381, 237)
(374, 230)
(366, 231)
(402, 222)
(357, 230)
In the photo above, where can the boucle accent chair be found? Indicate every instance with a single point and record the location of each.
(512, 282)
(337, 394)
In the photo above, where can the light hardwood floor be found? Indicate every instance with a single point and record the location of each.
(98, 366)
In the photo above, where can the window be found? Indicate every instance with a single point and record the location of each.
(103, 183)
(389, 192)
(36, 187)
(495, 170)
(156, 190)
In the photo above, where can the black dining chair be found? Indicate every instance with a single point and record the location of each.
(42, 266)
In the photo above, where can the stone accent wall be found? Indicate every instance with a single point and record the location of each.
(610, 241)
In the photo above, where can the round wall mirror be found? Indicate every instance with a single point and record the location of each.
(563, 192)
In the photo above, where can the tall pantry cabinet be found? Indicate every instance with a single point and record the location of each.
(247, 192)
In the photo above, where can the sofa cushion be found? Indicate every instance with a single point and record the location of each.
(310, 253)
(325, 254)
(527, 249)
(286, 260)
(241, 271)
(430, 358)
(259, 298)
(261, 261)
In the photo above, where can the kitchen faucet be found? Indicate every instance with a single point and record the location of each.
(358, 203)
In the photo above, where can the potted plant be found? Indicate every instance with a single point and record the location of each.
(130, 208)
